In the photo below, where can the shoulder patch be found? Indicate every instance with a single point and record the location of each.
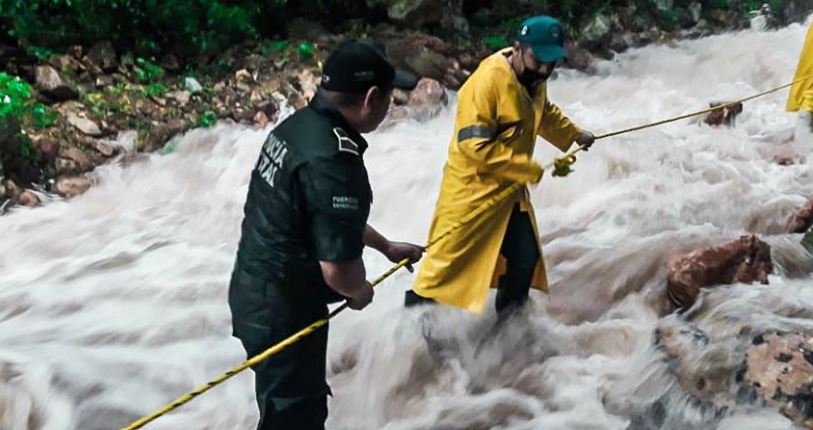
(346, 144)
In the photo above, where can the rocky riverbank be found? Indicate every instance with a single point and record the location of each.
(89, 97)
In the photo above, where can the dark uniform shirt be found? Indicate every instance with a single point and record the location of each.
(308, 201)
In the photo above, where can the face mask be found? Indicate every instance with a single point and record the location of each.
(531, 79)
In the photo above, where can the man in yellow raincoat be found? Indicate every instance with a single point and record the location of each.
(502, 108)
(801, 94)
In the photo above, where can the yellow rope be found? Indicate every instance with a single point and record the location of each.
(562, 164)
(565, 161)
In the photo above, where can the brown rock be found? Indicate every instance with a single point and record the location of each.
(171, 63)
(53, 85)
(104, 81)
(269, 87)
(296, 100)
(428, 92)
(66, 165)
(400, 97)
(146, 107)
(745, 260)
(84, 124)
(75, 51)
(408, 54)
(308, 82)
(74, 160)
(157, 136)
(64, 62)
(28, 198)
(12, 191)
(132, 158)
(261, 119)
(577, 57)
(466, 61)
(802, 220)
(102, 147)
(415, 13)
(427, 100)
(780, 369)
(49, 148)
(301, 28)
(182, 97)
(102, 56)
(243, 75)
(72, 186)
(723, 116)
(269, 109)
(700, 365)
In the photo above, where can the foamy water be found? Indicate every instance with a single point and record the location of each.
(115, 302)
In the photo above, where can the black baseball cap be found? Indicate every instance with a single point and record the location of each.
(355, 67)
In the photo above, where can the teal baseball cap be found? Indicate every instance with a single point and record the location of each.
(546, 35)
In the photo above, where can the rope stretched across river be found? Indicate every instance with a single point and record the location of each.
(561, 164)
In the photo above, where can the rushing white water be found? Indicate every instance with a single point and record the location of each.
(115, 302)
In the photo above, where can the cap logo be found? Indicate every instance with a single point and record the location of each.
(555, 31)
(524, 30)
(364, 75)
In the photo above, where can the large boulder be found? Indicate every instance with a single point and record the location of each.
(53, 84)
(725, 115)
(416, 13)
(598, 30)
(410, 54)
(84, 124)
(102, 56)
(780, 369)
(72, 185)
(745, 260)
(423, 103)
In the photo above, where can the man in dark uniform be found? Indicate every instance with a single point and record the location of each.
(304, 231)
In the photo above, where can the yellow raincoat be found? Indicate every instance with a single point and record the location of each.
(495, 132)
(797, 100)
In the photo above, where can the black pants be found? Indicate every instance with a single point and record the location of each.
(290, 386)
(520, 249)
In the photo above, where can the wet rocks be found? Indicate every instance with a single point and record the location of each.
(102, 57)
(10, 189)
(83, 124)
(726, 115)
(705, 370)
(72, 186)
(801, 220)
(745, 260)
(155, 137)
(28, 198)
(53, 84)
(192, 85)
(417, 56)
(416, 12)
(266, 113)
(423, 103)
(780, 368)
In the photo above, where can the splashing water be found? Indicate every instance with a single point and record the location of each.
(115, 302)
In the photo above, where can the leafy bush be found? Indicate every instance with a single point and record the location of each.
(186, 27)
(17, 104)
(19, 108)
